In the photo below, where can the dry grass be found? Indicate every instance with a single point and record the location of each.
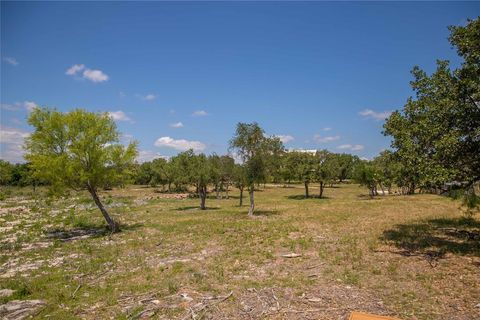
(414, 257)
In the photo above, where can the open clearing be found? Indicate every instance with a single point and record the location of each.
(414, 257)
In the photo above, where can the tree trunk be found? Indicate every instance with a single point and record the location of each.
(113, 226)
(252, 203)
(217, 190)
(321, 189)
(306, 190)
(241, 196)
(226, 191)
(203, 196)
(169, 187)
(411, 189)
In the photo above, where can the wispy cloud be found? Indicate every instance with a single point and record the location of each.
(176, 125)
(320, 139)
(149, 97)
(148, 155)
(327, 129)
(73, 70)
(199, 113)
(11, 140)
(18, 106)
(180, 144)
(351, 147)
(368, 113)
(119, 116)
(285, 138)
(93, 75)
(10, 60)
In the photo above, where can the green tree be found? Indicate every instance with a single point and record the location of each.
(324, 169)
(253, 148)
(78, 150)
(305, 166)
(240, 180)
(436, 136)
(366, 174)
(6, 169)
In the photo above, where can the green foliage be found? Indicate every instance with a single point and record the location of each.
(77, 149)
(436, 136)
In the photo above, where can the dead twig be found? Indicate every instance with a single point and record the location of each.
(75, 292)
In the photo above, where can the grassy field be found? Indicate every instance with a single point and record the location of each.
(414, 257)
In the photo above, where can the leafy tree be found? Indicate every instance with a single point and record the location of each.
(324, 169)
(288, 167)
(227, 165)
(275, 151)
(78, 149)
(144, 173)
(366, 174)
(436, 136)
(388, 170)
(240, 179)
(6, 169)
(253, 147)
(305, 165)
(201, 176)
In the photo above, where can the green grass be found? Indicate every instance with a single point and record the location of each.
(406, 251)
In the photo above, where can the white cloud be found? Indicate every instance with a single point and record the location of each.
(29, 105)
(11, 140)
(319, 139)
(200, 113)
(95, 75)
(25, 105)
(149, 97)
(285, 138)
(148, 155)
(74, 69)
(368, 113)
(327, 129)
(12, 135)
(181, 144)
(354, 147)
(176, 125)
(11, 61)
(119, 116)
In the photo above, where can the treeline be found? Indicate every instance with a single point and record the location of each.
(17, 174)
(221, 172)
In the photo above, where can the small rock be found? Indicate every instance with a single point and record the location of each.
(477, 305)
(185, 297)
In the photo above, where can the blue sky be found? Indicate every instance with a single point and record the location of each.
(179, 75)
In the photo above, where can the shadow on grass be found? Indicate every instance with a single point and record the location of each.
(436, 237)
(188, 208)
(77, 233)
(266, 213)
(302, 197)
(87, 231)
